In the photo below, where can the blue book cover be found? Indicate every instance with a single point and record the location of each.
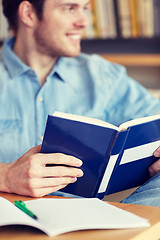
(114, 159)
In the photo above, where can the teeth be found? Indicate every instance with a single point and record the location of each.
(75, 37)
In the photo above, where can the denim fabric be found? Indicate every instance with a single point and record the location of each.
(85, 85)
(147, 194)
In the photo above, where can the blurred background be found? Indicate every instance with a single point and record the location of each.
(123, 31)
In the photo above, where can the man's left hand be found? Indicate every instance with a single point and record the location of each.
(155, 167)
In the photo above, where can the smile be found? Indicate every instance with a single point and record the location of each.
(74, 36)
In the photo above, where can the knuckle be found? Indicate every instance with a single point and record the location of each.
(58, 181)
(31, 162)
(31, 184)
(60, 171)
(59, 158)
(31, 172)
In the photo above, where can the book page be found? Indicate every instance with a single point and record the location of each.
(57, 216)
(138, 121)
(11, 215)
(84, 119)
(65, 215)
(101, 123)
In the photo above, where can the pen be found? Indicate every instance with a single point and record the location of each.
(21, 205)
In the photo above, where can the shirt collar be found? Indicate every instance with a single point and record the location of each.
(14, 65)
(66, 68)
(63, 67)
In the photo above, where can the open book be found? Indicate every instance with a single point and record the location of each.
(114, 158)
(57, 216)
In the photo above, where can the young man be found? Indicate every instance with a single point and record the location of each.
(42, 70)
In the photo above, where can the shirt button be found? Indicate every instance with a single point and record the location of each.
(41, 138)
(31, 72)
(40, 99)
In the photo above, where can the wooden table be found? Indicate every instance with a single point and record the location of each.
(151, 233)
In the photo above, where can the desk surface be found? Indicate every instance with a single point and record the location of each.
(151, 213)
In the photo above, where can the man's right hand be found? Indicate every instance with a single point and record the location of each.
(29, 175)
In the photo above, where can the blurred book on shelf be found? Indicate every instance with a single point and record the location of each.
(156, 17)
(4, 32)
(110, 19)
(124, 19)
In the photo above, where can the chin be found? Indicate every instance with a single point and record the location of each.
(74, 51)
(72, 54)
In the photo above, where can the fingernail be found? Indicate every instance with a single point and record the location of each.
(73, 180)
(157, 154)
(79, 162)
(79, 173)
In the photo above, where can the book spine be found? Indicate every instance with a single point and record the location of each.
(156, 9)
(101, 19)
(89, 32)
(141, 17)
(124, 17)
(116, 14)
(134, 18)
(4, 33)
(149, 18)
(111, 18)
(94, 18)
(113, 160)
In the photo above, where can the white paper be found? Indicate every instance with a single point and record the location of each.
(57, 216)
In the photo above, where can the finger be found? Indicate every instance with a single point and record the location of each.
(154, 168)
(157, 152)
(50, 182)
(35, 150)
(151, 171)
(60, 171)
(40, 192)
(59, 158)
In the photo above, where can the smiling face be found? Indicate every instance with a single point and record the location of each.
(60, 30)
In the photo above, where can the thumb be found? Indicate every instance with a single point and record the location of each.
(35, 149)
(157, 152)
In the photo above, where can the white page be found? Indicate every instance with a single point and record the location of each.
(57, 216)
(138, 121)
(11, 215)
(89, 120)
(64, 215)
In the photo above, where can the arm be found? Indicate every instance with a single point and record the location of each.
(29, 176)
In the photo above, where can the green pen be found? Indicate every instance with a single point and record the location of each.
(21, 205)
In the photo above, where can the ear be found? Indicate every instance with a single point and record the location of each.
(27, 13)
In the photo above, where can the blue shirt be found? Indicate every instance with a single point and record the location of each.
(85, 85)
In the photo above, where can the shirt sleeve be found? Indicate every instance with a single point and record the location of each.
(124, 97)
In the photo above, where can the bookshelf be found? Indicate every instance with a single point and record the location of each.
(139, 54)
(142, 62)
(128, 52)
(137, 49)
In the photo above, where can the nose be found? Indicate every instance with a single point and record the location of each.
(81, 19)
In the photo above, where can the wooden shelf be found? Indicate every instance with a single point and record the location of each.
(148, 60)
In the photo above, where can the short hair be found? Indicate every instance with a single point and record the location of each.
(10, 10)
